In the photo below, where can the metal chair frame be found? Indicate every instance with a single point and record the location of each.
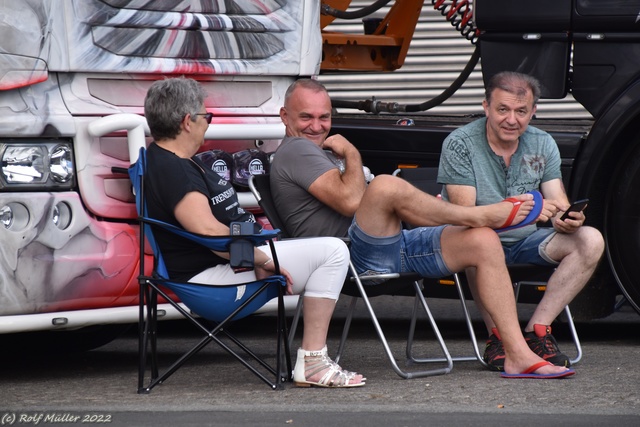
(396, 284)
(425, 179)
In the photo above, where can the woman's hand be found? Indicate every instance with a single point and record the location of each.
(267, 269)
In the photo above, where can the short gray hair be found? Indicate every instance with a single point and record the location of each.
(514, 83)
(310, 84)
(168, 101)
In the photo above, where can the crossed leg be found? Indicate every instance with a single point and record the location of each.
(389, 200)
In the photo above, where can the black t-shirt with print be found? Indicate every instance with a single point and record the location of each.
(169, 178)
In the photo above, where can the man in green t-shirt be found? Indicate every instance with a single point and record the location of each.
(501, 156)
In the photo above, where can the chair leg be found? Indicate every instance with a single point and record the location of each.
(574, 335)
(153, 330)
(295, 321)
(209, 336)
(420, 300)
(472, 335)
(147, 335)
(345, 329)
(283, 346)
(621, 302)
(474, 342)
(383, 339)
(143, 341)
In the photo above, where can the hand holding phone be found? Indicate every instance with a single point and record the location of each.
(578, 206)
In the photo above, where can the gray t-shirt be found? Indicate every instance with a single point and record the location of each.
(467, 159)
(296, 164)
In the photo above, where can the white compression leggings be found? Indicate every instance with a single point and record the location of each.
(318, 267)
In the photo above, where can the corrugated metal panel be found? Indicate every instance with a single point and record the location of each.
(437, 55)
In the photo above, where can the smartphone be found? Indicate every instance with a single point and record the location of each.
(578, 206)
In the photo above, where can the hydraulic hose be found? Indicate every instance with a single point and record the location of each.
(448, 92)
(376, 107)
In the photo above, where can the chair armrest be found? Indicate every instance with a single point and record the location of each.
(216, 243)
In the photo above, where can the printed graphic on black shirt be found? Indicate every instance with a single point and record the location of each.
(224, 200)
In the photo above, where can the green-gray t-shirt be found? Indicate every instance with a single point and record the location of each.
(467, 159)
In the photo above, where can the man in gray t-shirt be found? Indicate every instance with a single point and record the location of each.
(315, 197)
(303, 214)
(501, 156)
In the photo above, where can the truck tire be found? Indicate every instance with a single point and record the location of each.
(622, 225)
(61, 342)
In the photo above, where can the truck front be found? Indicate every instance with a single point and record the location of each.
(73, 76)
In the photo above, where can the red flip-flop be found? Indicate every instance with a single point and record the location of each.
(529, 219)
(530, 372)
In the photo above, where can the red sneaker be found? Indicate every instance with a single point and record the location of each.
(542, 343)
(494, 352)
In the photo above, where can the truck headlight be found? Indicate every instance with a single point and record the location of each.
(23, 164)
(61, 164)
(14, 216)
(61, 215)
(42, 165)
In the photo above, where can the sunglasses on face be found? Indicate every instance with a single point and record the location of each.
(207, 116)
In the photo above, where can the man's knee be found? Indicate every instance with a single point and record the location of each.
(591, 242)
(483, 240)
(587, 243)
(382, 186)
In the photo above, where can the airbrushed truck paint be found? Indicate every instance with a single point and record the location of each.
(42, 268)
(50, 54)
(243, 37)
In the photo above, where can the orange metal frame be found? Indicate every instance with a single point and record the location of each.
(383, 50)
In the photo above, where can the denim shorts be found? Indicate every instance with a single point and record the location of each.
(531, 250)
(417, 250)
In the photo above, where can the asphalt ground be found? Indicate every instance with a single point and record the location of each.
(212, 389)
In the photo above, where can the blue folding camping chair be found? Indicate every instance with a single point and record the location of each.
(210, 308)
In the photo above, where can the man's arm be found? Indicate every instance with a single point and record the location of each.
(464, 195)
(341, 192)
(554, 190)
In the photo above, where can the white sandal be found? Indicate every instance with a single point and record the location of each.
(310, 363)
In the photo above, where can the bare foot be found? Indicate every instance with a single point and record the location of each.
(497, 214)
(517, 367)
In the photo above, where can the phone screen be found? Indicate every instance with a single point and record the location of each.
(578, 206)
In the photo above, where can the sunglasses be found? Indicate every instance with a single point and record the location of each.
(207, 116)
